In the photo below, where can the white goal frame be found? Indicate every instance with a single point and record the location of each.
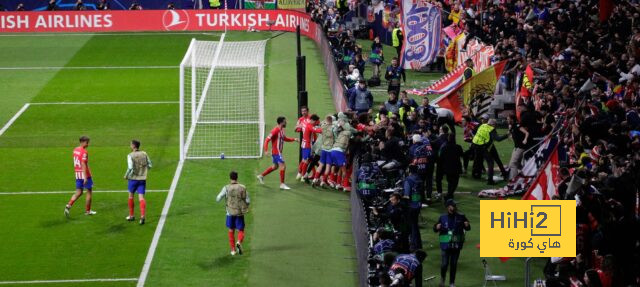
(225, 56)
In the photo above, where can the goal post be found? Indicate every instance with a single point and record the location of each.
(222, 99)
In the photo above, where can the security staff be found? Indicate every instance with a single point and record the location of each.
(396, 39)
(483, 143)
(468, 71)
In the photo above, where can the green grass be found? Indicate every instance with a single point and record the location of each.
(294, 238)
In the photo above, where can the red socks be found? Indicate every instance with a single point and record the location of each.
(130, 206)
(240, 235)
(143, 207)
(232, 240)
(282, 176)
(71, 202)
(268, 171)
(303, 167)
(88, 207)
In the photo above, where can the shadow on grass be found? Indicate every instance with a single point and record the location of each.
(225, 260)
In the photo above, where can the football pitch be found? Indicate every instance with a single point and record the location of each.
(120, 86)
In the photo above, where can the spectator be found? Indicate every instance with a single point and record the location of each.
(80, 6)
(360, 99)
(52, 5)
(520, 138)
(451, 227)
(392, 105)
(214, 4)
(171, 6)
(20, 7)
(376, 57)
(103, 5)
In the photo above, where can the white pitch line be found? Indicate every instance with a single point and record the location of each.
(68, 281)
(15, 117)
(87, 68)
(104, 103)
(106, 34)
(70, 191)
(163, 218)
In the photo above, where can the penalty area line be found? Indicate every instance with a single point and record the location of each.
(68, 281)
(13, 119)
(70, 192)
(163, 218)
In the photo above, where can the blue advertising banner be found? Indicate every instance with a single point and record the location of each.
(422, 33)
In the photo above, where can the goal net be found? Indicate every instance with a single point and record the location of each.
(222, 99)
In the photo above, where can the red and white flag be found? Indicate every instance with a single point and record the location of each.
(545, 186)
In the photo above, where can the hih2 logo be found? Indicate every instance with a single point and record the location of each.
(175, 20)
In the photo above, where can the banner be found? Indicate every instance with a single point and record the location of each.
(298, 5)
(445, 85)
(179, 20)
(478, 52)
(157, 20)
(259, 4)
(422, 33)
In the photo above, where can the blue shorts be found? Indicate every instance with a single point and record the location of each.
(80, 183)
(277, 159)
(235, 222)
(325, 157)
(337, 158)
(137, 186)
(306, 153)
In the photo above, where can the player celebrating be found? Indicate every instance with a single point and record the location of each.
(309, 130)
(83, 176)
(138, 164)
(304, 118)
(237, 200)
(277, 139)
(325, 153)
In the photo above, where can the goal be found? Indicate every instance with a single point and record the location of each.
(222, 99)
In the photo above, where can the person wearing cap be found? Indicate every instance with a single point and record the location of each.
(468, 71)
(360, 98)
(483, 143)
(451, 228)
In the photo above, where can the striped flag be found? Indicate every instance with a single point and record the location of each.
(545, 186)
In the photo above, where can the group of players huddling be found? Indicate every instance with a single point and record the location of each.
(323, 147)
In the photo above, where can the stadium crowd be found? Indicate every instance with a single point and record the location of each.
(585, 91)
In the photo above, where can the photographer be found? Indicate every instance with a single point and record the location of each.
(396, 213)
(407, 268)
(421, 156)
(391, 150)
(451, 227)
(413, 193)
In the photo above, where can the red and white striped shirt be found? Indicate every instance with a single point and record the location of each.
(80, 156)
(277, 139)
